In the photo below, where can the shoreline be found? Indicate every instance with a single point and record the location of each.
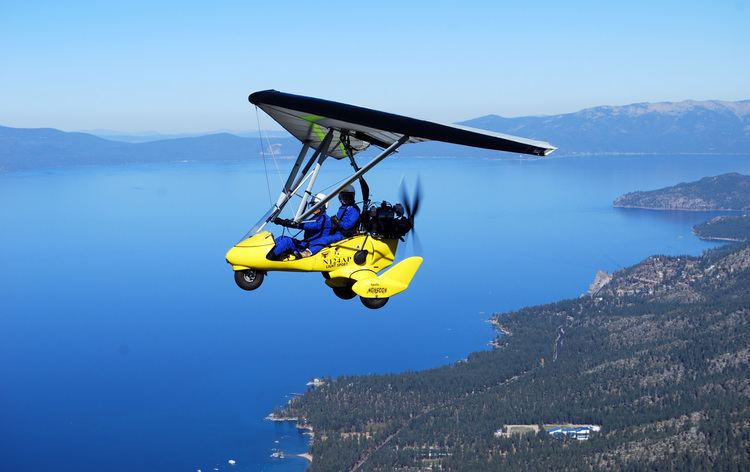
(499, 327)
(635, 207)
(280, 419)
(9, 170)
(306, 456)
(308, 428)
(303, 427)
(716, 238)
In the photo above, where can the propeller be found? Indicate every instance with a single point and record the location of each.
(411, 207)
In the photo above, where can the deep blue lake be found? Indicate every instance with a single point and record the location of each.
(125, 344)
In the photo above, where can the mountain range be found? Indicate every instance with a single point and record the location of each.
(712, 127)
(683, 127)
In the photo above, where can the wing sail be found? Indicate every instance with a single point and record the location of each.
(355, 128)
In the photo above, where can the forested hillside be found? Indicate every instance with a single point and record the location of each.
(727, 228)
(659, 357)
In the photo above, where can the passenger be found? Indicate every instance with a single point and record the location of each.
(316, 230)
(344, 224)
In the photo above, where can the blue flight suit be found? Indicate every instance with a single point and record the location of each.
(348, 217)
(316, 231)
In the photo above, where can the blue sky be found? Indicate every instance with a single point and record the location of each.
(189, 66)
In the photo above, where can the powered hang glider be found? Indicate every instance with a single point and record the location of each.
(353, 266)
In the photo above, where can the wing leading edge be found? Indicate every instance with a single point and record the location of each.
(355, 128)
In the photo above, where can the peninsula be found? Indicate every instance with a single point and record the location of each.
(730, 192)
(724, 228)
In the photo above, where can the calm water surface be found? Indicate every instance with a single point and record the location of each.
(125, 345)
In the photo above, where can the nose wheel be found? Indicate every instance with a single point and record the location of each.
(248, 279)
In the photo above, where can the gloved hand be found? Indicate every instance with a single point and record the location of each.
(285, 222)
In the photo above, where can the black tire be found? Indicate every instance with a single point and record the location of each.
(344, 293)
(248, 279)
(374, 303)
(326, 275)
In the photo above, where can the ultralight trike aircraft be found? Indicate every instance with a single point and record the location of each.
(355, 265)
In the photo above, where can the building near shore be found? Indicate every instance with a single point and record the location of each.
(579, 432)
(576, 431)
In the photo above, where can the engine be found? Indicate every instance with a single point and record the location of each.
(387, 221)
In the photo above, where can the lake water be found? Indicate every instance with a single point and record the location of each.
(125, 344)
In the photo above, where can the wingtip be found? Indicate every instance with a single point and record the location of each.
(256, 97)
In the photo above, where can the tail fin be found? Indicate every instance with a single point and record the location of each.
(391, 282)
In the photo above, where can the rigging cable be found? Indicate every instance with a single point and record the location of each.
(263, 154)
(273, 158)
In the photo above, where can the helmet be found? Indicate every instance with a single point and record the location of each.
(319, 198)
(347, 194)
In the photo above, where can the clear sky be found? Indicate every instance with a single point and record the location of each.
(188, 66)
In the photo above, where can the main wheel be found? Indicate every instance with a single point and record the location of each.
(374, 303)
(248, 279)
(345, 293)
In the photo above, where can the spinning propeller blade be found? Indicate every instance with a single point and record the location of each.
(411, 206)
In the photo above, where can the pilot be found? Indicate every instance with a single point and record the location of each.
(344, 224)
(316, 231)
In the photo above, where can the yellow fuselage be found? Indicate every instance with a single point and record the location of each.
(251, 253)
(336, 261)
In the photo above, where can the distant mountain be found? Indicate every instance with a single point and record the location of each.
(148, 136)
(685, 127)
(722, 192)
(143, 137)
(45, 147)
